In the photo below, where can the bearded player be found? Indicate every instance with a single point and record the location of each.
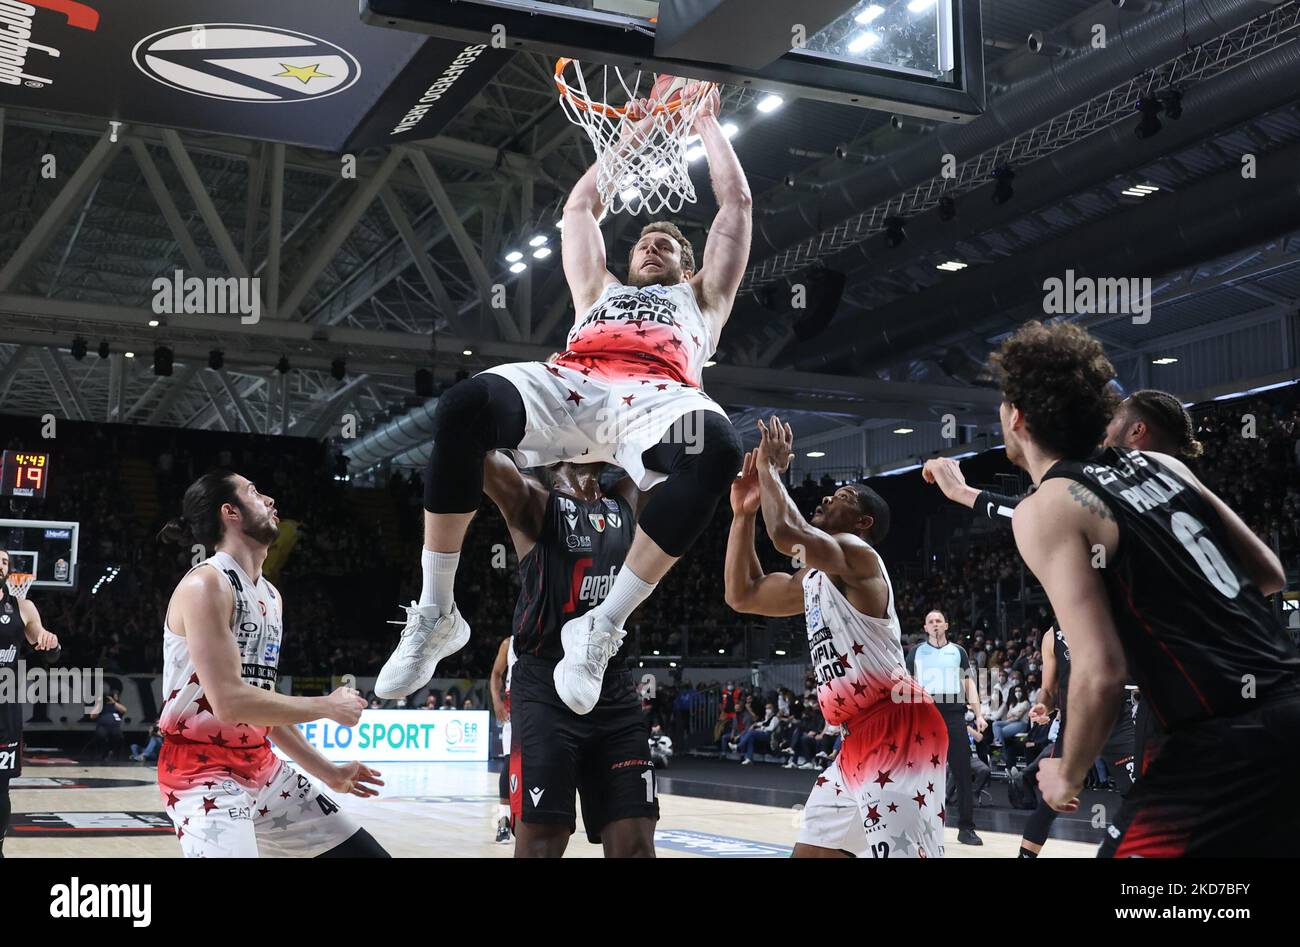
(883, 795)
(20, 627)
(1180, 600)
(224, 789)
(625, 391)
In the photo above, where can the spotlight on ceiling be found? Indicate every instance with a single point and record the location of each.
(1150, 124)
(339, 369)
(162, 361)
(895, 232)
(216, 360)
(103, 350)
(1002, 190)
(282, 366)
(79, 348)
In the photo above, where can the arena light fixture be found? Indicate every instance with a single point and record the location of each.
(869, 14)
(129, 354)
(710, 363)
(904, 430)
(153, 323)
(629, 194)
(722, 651)
(695, 153)
(863, 41)
(952, 266)
(919, 6)
(282, 366)
(816, 453)
(338, 369)
(541, 253)
(216, 359)
(1141, 190)
(518, 267)
(103, 350)
(539, 241)
(1164, 360)
(79, 348)
(770, 103)
(780, 653)
(731, 129)
(514, 256)
(467, 352)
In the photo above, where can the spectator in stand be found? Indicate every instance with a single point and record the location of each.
(150, 752)
(758, 738)
(430, 702)
(1016, 718)
(733, 730)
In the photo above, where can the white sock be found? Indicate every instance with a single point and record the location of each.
(628, 591)
(439, 570)
(503, 811)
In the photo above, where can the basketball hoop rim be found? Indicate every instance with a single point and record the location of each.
(19, 582)
(584, 104)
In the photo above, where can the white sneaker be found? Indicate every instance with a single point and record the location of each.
(589, 642)
(426, 640)
(789, 764)
(746, 762)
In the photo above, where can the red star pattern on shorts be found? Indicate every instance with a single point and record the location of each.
(202, 704)
(209, 804)
(857, 648)
(919, 799)
(263, 811)
(893, 807)
(822, 780)
(934, 760)
(873, 814)
(661, 387)
(172, 799)
(627, 400)
(929, 787)
(284, 795)
(553, 370)
(882, 778)
(574, 397)
(218, 739)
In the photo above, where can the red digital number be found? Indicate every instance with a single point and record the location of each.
(33, 475)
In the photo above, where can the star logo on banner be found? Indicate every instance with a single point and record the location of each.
(302, 73)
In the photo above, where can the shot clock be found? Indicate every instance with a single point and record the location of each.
(24, 473)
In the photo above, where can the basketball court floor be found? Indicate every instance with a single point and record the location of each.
(66, 809)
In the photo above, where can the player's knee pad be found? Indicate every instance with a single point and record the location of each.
(461, 412)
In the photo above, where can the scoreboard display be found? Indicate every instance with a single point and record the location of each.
(24, 473)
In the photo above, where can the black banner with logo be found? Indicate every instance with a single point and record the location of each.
(304, 72)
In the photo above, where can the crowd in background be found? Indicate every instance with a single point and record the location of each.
(350, 568)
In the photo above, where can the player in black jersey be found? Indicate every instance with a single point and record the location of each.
(20, 629)
(571, 539)
(1141, 561)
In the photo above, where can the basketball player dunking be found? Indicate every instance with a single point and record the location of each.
(572, 539)
(883, 796)
(20, 626)
(1141, 561)
(625, 391)
(224, 789)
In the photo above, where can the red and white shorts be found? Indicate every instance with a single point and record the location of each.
(883, 797)
(246, 804)
(586, 416)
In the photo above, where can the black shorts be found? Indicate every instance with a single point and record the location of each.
(603, 755)
(1222, 788)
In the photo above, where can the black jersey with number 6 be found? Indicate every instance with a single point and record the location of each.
(1200, 637)
(570, 569)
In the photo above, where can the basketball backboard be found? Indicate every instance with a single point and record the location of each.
(914, 57)
(44, 548)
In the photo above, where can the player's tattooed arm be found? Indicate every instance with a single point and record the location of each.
(1090, 501)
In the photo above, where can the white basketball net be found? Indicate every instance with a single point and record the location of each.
(642, 163)
(18, 583)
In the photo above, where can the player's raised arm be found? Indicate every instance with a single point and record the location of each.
(1259, 561)
(726, 252)
(583, 245)
(203, 603)
(842, 555)
(748, 589)
(1051, 538)
(521, 500)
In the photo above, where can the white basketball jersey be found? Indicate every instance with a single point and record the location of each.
(632, 331)
(257, 625)
(857, 659)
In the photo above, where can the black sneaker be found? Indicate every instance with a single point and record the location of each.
(503, 829)
(968, 837)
